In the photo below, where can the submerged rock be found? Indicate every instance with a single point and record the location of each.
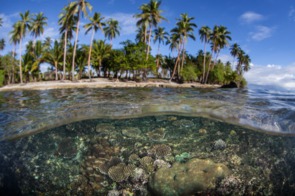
(219, 145)
(230, 85)
(195, 176)
(132, 132)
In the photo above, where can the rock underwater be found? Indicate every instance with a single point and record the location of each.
(195, 176)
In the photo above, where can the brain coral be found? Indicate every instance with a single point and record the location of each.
(193, 177)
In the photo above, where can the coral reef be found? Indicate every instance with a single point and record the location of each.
(219, 144)
(172, 154)
(160, 150)
(187, 179)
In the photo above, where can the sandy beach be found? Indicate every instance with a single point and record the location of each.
(101, 83)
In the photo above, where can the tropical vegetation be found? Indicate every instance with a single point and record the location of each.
(69, 59)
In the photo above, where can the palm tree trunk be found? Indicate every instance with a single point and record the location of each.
(175, 66)
(204, 63)
(55, 65)
(207, 75)
(20, 61)
(13, 68)
(65, 55)
(148, 45)
(183, 54)
(75, 46)
(98, 69)
(89, 55)
(158, 60)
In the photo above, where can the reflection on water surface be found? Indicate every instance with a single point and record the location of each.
(26, 112)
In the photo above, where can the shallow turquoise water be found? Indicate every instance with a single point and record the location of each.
(127, 141)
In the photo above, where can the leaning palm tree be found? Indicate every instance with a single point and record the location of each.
(161, 36)
(78, 7)
(234, 51)
(247, 62)
(205, 33)
(2, 44)
(37, 25)
(112, 29)
(96, 22)
(175, 43)
(22, 26)
(185, 28)
(67, 22)
(243, 62)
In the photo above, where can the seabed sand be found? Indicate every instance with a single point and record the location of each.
(101, 83)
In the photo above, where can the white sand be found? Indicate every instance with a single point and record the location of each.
(100, 83)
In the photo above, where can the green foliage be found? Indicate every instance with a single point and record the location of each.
(2, 77)
(188, 73)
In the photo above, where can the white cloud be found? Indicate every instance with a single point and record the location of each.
(126, 21)
(275, 75)
(250, 17)
(261, 33)
(292, 13)
(225, 58)
(51, 32)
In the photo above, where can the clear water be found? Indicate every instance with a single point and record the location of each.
(74, 142)
(27, 112)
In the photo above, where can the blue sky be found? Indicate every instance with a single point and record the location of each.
(265, 29)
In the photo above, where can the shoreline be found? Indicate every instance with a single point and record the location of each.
(101, 83)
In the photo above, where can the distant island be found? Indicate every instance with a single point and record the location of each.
(70, 60)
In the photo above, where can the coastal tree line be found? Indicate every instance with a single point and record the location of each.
(71, 60)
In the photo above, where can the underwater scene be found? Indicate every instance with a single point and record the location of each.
(155, 155)
(146, 142)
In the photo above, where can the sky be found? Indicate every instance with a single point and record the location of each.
(264, 29)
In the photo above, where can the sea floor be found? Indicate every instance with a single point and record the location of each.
(157, 155)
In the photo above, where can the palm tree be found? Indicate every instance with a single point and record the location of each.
(243, 62)
(175, 43)
(234, 51)
(95, 24)
(149, 17)
(112, 29)
(1, 22)
(205, 33)
(47, 44)
(54, 56)
(23, 25)
(141, 35)
(2, 44)
(185, 30)
(219, 39)
(143, 23)
(78, 7)
(37, 25)
(67, 22)
(101, 51)
(14, 39)
(161, 36)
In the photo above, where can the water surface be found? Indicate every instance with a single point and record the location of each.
(27, 112)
